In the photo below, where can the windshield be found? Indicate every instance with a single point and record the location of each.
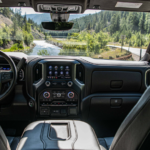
(116, 35)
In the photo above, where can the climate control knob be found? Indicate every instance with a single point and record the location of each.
(71, 95)
(46, 95)
(47, 83)
(70, 83)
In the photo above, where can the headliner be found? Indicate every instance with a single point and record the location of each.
(86, 4)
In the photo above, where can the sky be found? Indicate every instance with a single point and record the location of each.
(31, 11)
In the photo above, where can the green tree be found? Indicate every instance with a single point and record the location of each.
(15, 27)
(141, 22)
(6, 12)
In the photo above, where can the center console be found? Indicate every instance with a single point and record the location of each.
(58, 134)
(58, 91)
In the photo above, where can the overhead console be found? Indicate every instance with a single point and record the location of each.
(56, 6)
(56, 88)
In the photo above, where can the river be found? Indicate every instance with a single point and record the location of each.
(43, 45)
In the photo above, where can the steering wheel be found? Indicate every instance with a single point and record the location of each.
(7, 75)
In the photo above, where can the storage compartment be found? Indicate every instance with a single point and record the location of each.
(59, 131)
(111, 108)
(118, 81)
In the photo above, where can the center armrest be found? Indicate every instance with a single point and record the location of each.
(58, 134)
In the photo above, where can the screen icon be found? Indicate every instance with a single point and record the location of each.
(61, 73)
(67, 67)
(56, 72)
(67, 73)
(61, 67)
(56, 67)
(50, 72)
(50, 67)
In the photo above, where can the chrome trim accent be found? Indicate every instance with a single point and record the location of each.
(78, 82)
(42, 79)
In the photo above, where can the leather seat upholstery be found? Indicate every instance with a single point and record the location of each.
(8, 143)
(13, 142)
(105, 143)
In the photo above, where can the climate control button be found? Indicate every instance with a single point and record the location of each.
(46, 95)
(71, 95)
(58, 94)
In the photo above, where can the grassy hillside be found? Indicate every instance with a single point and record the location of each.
(16, 32)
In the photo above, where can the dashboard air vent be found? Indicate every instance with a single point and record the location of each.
(80, 72)
(147, 78)
(37, 72)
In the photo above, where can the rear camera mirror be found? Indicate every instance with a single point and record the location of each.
(57, 26)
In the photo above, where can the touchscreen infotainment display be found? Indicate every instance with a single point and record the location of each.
(58, 71)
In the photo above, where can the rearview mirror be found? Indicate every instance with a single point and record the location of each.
(57, 26)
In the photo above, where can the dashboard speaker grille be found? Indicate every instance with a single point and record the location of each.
(37, 72)
(80, 72)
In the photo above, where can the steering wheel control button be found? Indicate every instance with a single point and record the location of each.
(31, 103)
(71, 95)
(70, 83)
(6, 76)
(46, 95)
(47, 83)
(21, 75)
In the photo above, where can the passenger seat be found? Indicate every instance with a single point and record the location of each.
(134, 132)
(8, 143)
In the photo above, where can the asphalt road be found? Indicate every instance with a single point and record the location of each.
(135, 51)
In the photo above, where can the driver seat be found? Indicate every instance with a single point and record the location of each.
(8, 143)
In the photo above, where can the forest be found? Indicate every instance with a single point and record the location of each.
(17, 32)
(134, 25)
(99, 29)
